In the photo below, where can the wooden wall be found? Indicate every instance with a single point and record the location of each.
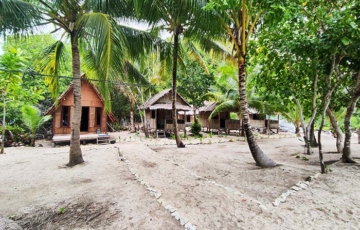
(89, 98)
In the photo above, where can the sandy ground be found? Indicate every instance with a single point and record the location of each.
(140, 183)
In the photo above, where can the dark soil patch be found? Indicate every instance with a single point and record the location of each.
(78, 215)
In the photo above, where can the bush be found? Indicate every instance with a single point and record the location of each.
(195, 128)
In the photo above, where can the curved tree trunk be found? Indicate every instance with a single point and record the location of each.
(339, 134)
(346, 156)
(179, 143)
(75, 155)
(259, 156)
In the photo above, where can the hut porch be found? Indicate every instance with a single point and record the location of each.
(99, 138)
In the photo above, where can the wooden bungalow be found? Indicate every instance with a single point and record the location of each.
(222, 121)
(158, 112)
(217, 122)
(94, 119)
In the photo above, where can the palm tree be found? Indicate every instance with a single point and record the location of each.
(33, 120)
(180, 18)
(239, 20)
(293, 115)
(88, 27)
(226, 94)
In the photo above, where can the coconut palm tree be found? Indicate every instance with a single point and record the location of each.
(88, 26)
(180, 18)
(239, 19)
(33, 120)
(226, 94)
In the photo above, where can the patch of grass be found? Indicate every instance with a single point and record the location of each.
(211, 134)
(305, 158)
(62, 210)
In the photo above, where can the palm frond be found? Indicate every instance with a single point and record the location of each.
(18, 16)
(52, 59)
(230, 105)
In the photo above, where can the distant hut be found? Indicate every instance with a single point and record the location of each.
(94, 119)
(222, 121)
(219, 122)
(158, 112)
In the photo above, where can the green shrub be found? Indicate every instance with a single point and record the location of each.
(195, 128)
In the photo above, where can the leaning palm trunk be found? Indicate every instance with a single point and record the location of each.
(339, 134)
(259, 156)
(75, 155)
(179, 143)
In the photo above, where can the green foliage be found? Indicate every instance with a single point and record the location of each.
(62, 210)
(33, 120)
(194, 83)
(195, 128)
(305, 158)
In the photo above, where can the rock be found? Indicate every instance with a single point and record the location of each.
(189, 226)
(170, 208)
(302, 185)
(295, 188)
(176, 215)
(183, 221)
(8, 224)
(158, 195)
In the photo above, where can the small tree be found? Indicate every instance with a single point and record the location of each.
(33, 120)
(195, 128)
(10, 82)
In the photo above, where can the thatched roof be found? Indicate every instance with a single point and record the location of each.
(52, 109)
(210, 106)
(154, 102)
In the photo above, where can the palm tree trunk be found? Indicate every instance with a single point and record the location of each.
(339, 134)
(75, 155)
(259, 156)
(179, 143)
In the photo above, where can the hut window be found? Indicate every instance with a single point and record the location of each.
(153, 114)
(98, 116)
(65, 116)
(258, 117)
(187, 118)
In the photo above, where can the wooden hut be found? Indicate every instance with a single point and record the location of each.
(94, 119)
(222, 121)
(158, 112)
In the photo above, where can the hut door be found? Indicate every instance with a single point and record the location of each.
(84, 125)
(222, 120)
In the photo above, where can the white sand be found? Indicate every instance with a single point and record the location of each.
(154, 185)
